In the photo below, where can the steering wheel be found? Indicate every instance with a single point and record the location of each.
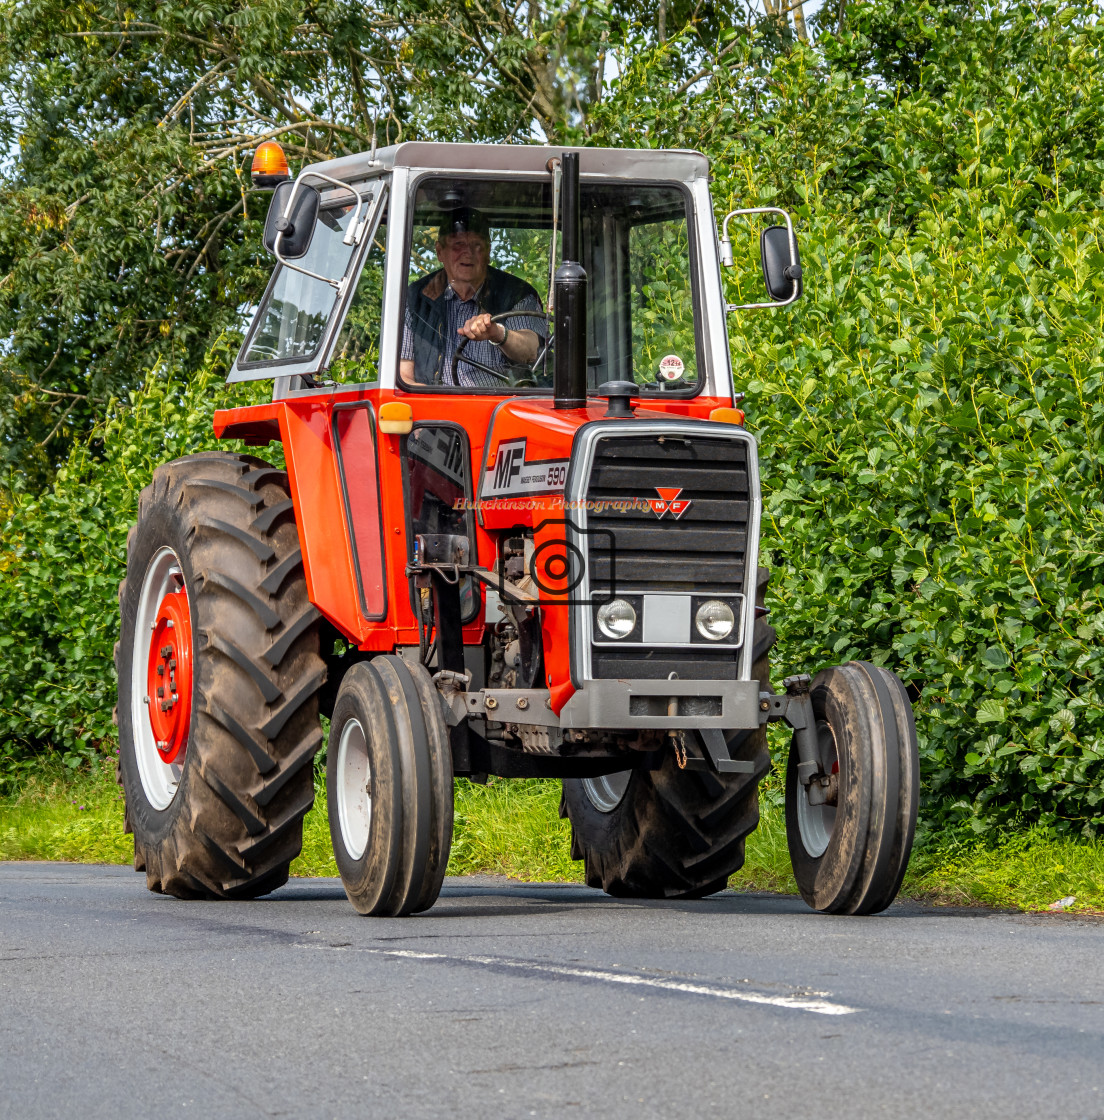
(515, 378)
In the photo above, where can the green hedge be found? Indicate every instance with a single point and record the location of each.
(61, 561)
(929, 415)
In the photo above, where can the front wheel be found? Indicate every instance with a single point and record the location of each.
(389, 787)
(849, 853)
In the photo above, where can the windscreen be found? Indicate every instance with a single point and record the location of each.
(483, 248)
(290, 323)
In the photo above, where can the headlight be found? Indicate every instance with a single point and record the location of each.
(617, 618)
(715, 620)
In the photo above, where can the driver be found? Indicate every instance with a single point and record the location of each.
(457, 301)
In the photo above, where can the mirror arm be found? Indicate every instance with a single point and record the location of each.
(794, 267)
(352, 235)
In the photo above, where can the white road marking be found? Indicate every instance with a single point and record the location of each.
(792, 1003)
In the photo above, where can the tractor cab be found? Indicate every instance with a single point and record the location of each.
(352, 270)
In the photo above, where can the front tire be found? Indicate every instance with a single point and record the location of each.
(850, 857)
(219, 672)
(389, 787)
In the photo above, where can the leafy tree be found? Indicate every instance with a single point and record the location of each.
(128, 230)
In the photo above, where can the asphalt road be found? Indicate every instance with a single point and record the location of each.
(534, 1000)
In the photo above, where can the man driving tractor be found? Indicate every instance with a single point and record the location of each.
(458, 301)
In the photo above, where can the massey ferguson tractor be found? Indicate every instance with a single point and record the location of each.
(515, 532)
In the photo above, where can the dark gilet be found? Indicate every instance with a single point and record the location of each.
(500, 293)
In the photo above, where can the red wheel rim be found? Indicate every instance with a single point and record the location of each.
(169, 681)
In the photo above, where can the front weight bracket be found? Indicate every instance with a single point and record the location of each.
(795, 707)
(714, 756)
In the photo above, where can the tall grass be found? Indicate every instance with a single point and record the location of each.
(512, 828)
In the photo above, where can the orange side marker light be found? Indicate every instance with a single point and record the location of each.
(395, 418)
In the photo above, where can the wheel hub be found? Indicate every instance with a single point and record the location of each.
(354, 788)
(816, 821)
(607, 792)
(169, 680)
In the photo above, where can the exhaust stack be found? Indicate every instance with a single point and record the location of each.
(570, 315)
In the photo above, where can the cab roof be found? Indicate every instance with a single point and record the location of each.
(618, 163)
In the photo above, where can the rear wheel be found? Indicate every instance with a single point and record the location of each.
(667, 832)
(389, 787)
(218, 673)
(849, 855)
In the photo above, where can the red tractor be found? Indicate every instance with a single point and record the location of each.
(517, 534)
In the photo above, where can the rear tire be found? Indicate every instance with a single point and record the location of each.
(389, 787)
(666, 832)
(224, 817)
(851, 858)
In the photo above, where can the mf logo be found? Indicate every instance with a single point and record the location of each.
(508, 465)
(510, 473)
(669, 502)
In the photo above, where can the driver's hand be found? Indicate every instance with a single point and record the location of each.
(479, 328)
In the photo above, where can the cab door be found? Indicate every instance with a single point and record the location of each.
(301, 321)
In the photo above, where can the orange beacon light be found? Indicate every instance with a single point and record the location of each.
(270, 166)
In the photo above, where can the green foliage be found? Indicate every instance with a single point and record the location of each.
(63, 556)
(59, 815)
(128, 229)
(1025, 869)
(512, 827)
(930, 416)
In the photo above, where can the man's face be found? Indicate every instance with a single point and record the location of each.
(464, 257)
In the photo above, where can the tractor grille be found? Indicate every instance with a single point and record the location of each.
(702, 551)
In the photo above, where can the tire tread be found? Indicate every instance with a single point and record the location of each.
(236, 821)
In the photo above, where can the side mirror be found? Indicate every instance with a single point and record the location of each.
(298, 227)
(781, 274)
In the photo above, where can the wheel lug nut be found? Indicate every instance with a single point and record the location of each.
(169, 624)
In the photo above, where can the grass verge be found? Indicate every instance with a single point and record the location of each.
(513, 828)
(59, 815)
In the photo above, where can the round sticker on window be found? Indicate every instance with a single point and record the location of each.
(671, 368)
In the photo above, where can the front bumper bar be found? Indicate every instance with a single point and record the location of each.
(623, 705)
